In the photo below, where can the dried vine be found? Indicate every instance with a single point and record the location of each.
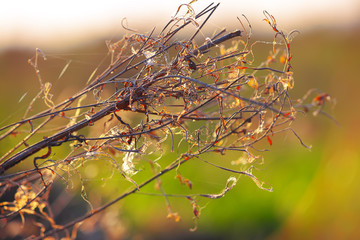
(216, 101)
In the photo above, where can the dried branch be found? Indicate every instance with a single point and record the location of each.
(200, 99)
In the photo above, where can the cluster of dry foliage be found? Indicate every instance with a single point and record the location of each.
(206, 97)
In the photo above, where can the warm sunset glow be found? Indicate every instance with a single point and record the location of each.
(28, 23)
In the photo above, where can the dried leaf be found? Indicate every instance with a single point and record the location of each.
(269, 140)
(253, 83)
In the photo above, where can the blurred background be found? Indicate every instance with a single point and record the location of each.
(316, 194)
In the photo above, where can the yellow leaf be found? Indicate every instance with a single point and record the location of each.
(283, 59)
(253, 83)
(266, 20)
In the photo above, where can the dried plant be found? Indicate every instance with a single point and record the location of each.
(199, 99)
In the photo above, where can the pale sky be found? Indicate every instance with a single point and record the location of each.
(45, 23)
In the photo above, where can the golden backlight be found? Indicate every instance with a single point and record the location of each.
(51, 24)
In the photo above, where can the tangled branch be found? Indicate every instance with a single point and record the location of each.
(209, 96)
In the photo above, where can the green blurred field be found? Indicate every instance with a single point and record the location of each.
(315, 194)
